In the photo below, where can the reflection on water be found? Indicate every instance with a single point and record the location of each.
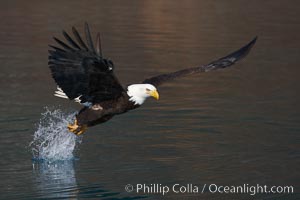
(55, 180)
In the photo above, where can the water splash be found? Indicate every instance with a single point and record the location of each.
(52, 140)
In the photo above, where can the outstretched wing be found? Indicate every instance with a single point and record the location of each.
(81, 72)
(218, 64)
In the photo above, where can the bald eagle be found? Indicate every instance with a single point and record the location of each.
(82, 74)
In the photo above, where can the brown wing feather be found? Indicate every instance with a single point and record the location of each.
(81, 72)
(218, 64)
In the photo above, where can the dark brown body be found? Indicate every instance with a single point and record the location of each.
(104, 111)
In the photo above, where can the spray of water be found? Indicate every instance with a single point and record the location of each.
(52, 140)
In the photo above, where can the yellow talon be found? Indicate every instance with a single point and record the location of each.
(82, 130)
(76, 129)
(73, 127)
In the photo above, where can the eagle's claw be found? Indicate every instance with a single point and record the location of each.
(76, 129)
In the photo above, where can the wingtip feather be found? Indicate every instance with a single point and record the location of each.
(89, 37)
(98, 45)
(64, 45)
(78, 38)
(70, 40)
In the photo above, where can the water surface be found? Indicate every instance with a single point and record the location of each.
(231, 127)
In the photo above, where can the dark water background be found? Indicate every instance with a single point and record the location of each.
(231, 127)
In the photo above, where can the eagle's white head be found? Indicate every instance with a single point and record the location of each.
(138, 93)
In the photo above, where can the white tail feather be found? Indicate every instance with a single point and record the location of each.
(77, 99)
(60, 93)
(61, 96)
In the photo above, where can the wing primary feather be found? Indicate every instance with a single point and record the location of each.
(70, 40)
(89, 38)
(218, 64)
(65, 46)
(231, 58)
(78, 38)
(57, 49)
(79, 70)
(242, 52)
(98, 45)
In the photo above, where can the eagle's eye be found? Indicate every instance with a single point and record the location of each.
(148, 90)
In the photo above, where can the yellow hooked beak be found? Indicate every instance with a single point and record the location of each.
(154, 94)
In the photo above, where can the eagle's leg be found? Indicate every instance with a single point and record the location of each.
(81, 130)
(77, 129)
(73, 127)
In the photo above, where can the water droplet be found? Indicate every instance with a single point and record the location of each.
(52, 139)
